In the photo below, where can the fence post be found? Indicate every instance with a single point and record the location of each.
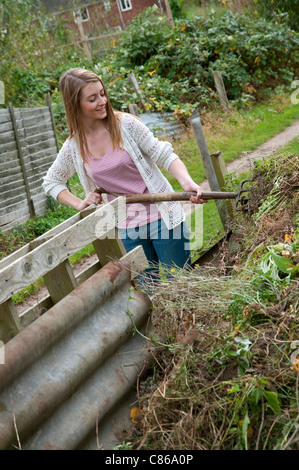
(208, 166)
(49, 104)
(220, 170)
(134, 82)
(82, 35)
(169, 13)
(21, 157)
(133, 109)
(221, 90)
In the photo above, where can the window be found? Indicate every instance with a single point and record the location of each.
(83, 14)
(107, 5)
(125, 5)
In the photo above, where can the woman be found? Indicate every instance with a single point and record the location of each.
(118, 152)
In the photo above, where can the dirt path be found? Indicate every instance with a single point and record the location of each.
(246, 160)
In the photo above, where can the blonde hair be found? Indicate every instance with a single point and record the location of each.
(71, 84)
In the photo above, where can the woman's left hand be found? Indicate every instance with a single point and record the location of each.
(197, 189)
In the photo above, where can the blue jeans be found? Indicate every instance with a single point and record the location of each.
(169, 247)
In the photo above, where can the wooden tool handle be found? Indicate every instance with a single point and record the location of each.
(161, 197)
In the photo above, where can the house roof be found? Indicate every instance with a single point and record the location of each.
(56, 6)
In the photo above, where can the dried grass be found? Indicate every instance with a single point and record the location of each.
(205, 392)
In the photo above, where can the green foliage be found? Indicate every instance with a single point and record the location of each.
(249, 53)
(174, 65)
(177, 8)
(290, 8)
(32, 44)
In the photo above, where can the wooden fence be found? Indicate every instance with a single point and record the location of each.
(28, 146)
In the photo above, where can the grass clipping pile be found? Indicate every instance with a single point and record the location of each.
(225, 373)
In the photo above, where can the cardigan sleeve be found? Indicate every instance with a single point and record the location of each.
(161, 152)
(60, 171)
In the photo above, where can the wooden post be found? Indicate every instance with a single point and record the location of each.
(82, 35)
(107, 249)
(49, 104)
(9, 321)
(60, 281)
(208, 166)
(134, 82)
(221, 90)
(21, 157)
(220, 171)
(133, 109)
(169, 13)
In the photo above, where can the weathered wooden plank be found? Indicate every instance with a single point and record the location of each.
(40, 110)
(7, 186)
(31, 115)
(10, 146)
(32, 313)
(6, 127)
(38, 128)
(35, 264)
(60, 281)
(40, 155)
(4, 116)
(14, 214)
(9, 321)
(38, 146)
(38, 241)
(34, 169)
(40, 201)
(6, 228)
(9, 157)
(7, 137)
(18, 205)
(13, 196)
(9, 177)
(34, 181)
(36, 138)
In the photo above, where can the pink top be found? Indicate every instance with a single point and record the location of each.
(116, 172)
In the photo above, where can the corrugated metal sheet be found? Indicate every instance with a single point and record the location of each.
(71, 370)
(163, 124)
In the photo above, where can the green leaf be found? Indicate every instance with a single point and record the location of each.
(255, 395)
(245, 425)
(272, 400)
(284, 264)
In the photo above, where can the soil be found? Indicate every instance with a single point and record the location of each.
(240, 165)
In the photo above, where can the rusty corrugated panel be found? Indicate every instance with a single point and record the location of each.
(73, 367)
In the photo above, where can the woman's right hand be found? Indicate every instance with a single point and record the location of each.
(91, 198)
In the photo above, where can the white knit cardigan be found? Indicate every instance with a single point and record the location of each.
(146, 151)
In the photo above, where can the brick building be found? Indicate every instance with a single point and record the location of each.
(99, 16)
